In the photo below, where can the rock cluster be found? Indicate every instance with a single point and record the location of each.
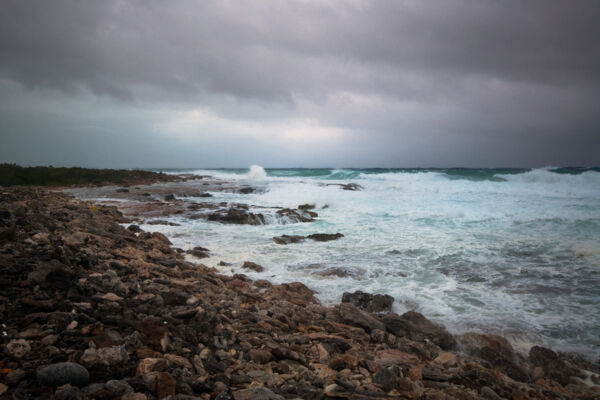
(92, 310)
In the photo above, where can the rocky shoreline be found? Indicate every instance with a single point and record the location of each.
(92, 309)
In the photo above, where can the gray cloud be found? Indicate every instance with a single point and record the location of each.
(228, 83)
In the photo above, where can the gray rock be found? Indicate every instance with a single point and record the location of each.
(118, 387)
(62, 373)
(70, 393)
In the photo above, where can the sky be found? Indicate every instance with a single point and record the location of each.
(307, 83)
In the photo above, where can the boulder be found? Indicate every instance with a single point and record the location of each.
(369, 302)
(63, 373)
(415, 326)
(496, 350)
(552, 365)
(352, 315)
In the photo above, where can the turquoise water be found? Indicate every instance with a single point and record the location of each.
(508, 251)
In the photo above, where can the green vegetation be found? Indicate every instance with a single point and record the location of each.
(12, 174)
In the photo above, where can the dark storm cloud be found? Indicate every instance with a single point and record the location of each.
(456, 82)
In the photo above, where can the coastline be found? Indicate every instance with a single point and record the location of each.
(127, 306)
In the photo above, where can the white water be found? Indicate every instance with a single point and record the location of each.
(519, 257)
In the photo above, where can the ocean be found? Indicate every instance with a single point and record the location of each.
(514, 252)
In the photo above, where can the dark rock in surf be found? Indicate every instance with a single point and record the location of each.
(369, 302)
(199, 252)
(287, 239)
(253, 266)
(325, 237)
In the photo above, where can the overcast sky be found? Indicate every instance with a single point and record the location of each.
(300, 83)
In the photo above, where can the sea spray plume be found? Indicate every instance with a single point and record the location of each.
(257, 172)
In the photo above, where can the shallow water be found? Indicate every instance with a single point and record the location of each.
(514, 252)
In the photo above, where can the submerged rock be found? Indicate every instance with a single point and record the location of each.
(319, 237)
(325, 237)
(287, 239)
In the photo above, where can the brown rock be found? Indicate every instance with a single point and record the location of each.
(261, 356)
(415, 326)
(253, 266)
(151, 365)
(352, 315)
(163, 385)
(17, 348)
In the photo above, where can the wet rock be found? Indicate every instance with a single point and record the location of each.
(415, 326)
(122, 190)
(253, 266)
(306, 207)
(369, 302)
(199, 252)
(325, 237)
(290, 216)
(246, 190)
(553, 366)
(352, 315)
(238, 215)
(169, 197)
(63, 373)
(496, 350)
(287, 239)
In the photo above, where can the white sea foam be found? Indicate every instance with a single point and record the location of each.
(257, 173)
(511, 255)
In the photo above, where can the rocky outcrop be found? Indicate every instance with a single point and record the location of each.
(93, 310)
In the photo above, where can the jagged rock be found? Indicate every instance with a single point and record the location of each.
(253, 266)
(199, 252)
(415, 326)
(369, 302)
(553, 366)
(237, 216)
(352, 315)
(496, 350)
(63, 373)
